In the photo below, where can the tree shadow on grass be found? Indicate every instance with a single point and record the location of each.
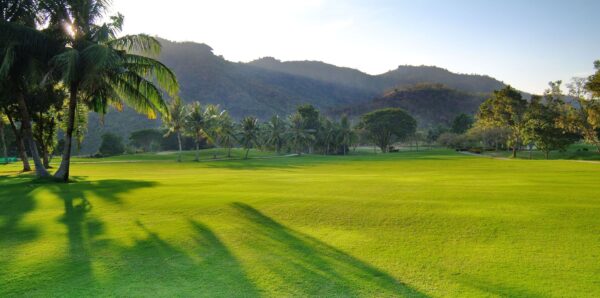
(83, 228)
(496, 288)
(153, 266)
(308, 266)
(17, 198)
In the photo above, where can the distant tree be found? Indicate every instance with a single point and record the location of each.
(462, 123)
(310, 122)
(347, 136)
(584, 117)
(249, 133)
(298, 136)
(174, 121)
(275, 130)
(226, 132)
(146, 139)
(542, 122)
(327, 135)
(506, 108)
(593, 82)
(111, 145)
(434, 133)
(196, 124)
(489, 137)
(386, 126)
(455, 141)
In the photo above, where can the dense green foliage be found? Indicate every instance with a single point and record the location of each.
(111, 145)
(387, 126)
(411, 224)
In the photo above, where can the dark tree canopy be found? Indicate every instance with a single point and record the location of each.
(462, 123)
(146, 139)
(111, 145)
(388, 125)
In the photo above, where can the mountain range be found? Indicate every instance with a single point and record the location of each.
(268, 86)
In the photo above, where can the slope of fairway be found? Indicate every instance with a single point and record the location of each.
(409, 224)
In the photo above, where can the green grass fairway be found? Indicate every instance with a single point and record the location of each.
(434, 223)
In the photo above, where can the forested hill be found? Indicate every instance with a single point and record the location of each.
(268, 86)
(430, 104)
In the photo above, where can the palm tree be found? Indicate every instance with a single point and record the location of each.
(327, 134)
(24, 52)
(346, 134)
(195, 123)
(249, 133)
(175, 121)
(275, 131)
(213, 115)
(225, 132)
(99, 69)
(297, 135)
(3, 139)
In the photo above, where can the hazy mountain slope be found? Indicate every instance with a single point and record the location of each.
(403, 76)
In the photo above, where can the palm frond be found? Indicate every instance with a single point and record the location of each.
(155, 70)
(139, 43)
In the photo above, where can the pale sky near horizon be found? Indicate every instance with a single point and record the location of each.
(524, 43)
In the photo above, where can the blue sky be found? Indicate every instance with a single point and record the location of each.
(523, 43)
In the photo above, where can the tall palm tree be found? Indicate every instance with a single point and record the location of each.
(99, 69)
(225, 132)
(298, 136)
(174, 121)
(275, 131)
(327, 134)
(195, 123)
(24, 52)
(346, 134)
(3, 138)
(249, 133)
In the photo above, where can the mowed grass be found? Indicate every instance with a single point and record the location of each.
(433, 223)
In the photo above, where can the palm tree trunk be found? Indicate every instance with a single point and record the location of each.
(229, 152)
(46, 158)
(547, 154)
(247, 151)
(197, 150)
(65, 164)
(3, 139)
(40, 170)
(20, 145)
(180, 148)
(514, 152)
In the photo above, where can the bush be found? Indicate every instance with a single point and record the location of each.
(111, 145)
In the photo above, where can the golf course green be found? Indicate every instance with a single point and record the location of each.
(416, 224)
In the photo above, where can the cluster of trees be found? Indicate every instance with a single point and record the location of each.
(305, 131)
(58, 63)
(549, 122)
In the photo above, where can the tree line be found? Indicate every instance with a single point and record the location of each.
(304, 131)
(549, 122)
